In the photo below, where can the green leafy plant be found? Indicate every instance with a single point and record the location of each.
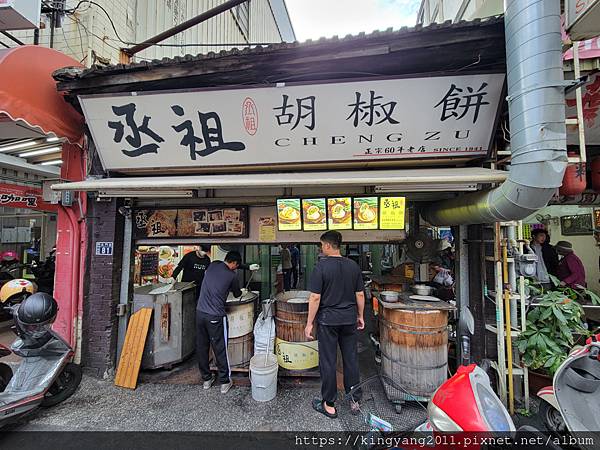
(551, 330)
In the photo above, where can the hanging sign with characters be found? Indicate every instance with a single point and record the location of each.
(310, 123)
(391, 213)
(26, 197)
(202, 222)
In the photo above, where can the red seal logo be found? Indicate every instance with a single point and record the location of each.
(250, 116)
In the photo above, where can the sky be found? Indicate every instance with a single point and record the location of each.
(313, 19)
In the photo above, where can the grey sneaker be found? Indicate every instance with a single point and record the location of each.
(225, 387)
(208, 383)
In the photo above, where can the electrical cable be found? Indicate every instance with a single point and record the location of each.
(72, 11)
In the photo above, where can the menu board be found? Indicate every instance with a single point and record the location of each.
(314, 214)
(149, 264)
(202, 222)
(391, 213)
(289, 215)
(366, 213)
(339, 213)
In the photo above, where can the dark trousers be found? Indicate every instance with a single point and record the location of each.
(287, 279)
(346, 336)
(295, 277)
(212, 332)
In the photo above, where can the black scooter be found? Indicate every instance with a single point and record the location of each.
(45, 377)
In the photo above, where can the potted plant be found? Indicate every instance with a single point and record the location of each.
(553, 327)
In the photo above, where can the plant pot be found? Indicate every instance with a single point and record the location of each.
(538, 381)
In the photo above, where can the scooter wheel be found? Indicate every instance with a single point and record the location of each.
(552, 418)
(65, 385)
(6, 374)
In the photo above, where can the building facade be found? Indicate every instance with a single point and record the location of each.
(93, 33)
(439, 11)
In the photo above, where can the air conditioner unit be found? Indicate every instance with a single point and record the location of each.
(19, 14)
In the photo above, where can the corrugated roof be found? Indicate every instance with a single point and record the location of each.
(69, 74)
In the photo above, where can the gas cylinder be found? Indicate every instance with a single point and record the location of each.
(596, 174)
(574, 180)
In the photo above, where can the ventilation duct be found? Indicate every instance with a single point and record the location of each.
(537, 121)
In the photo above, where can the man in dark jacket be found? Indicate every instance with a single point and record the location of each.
(337, 301)
(193, 265)
(211, 320)
(549, 255)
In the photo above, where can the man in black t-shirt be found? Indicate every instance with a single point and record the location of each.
(337, 302)
(194, 265)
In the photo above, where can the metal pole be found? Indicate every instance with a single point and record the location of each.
(36, 36)
(124, 292)
(12, 38)
(52, 24)
(182, 27)
(462, 296)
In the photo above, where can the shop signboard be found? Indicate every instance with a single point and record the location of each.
(294, 124)
(206, 221)
(26, 197)
(289, 214)
(366, 213)
(391, 213)
(582, 19)
(314, 214)
(339, 213)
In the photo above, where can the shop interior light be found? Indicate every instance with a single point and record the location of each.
(146, 194)
(54, 162)
(43, 151)
(426, 187)
(18, 146)
(53, 139)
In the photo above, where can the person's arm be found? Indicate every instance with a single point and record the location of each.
(313, 307)
(179, 267)
(360, 300)
(315, 288)
(235, 287)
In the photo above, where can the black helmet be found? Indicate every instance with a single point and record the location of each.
(37, 313)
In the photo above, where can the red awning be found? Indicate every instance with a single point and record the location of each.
(28, 91)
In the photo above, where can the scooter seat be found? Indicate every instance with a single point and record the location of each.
(584, 375)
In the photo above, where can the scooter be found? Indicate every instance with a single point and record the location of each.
(576, 385)
(46, 376)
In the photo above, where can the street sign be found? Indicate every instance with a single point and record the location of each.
(582, 19)
(104, 248)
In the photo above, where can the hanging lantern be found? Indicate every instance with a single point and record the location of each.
(596, 174)
(574, 180)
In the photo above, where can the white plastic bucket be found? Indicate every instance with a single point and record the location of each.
(263, 377)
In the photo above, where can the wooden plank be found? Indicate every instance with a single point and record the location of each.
(133, 347)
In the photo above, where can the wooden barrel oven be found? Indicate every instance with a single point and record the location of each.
(414, 351)
(240, 338)
(294, 352)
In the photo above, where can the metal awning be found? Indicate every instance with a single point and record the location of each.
(407, 180)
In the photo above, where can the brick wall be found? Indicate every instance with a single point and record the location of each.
(101, 289)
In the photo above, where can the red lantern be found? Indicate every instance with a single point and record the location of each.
(574, 180)
(596, 174)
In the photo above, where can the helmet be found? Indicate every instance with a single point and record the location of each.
(10, 256)
(36, 314)
(14, 288)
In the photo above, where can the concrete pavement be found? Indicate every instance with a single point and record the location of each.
(99, 406)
